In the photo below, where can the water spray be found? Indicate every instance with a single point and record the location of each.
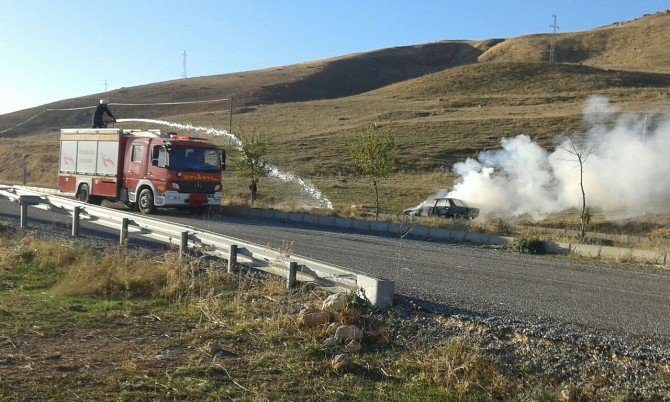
(274, 171)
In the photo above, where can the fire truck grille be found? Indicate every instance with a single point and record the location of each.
(190, 187)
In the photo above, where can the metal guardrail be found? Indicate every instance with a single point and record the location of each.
(378, 291)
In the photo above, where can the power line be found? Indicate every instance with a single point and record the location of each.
(552, 50)
(167, 103)
(112, 104)
(23, 122)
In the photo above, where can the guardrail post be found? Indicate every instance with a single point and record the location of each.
(379, 292)
(75, 221)
(183, 244)
(24, 214)
(123, 237)
(232, 258)
(290, 278)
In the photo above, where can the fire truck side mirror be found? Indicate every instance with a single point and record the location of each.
(223, 159)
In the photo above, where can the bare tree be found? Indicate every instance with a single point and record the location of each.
(250, 160)
(374, 153)
(580, 147)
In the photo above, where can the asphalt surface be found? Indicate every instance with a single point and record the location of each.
(544, 291)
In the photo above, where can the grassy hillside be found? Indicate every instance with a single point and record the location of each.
(637, 45)
(324, 79)
(439, 119)
(443, 101)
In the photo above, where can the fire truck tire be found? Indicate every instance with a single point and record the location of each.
(145, 203)
(84, 194)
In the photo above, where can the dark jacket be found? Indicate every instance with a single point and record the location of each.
(100, 111)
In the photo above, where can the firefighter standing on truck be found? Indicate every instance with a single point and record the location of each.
(100, 111)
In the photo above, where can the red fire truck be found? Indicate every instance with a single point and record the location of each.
(144, 169)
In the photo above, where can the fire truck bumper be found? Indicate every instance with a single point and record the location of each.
(175, 199)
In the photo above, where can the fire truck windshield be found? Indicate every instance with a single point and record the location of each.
(194, 159)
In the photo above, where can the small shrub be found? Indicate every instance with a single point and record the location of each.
(501, 227)
(526, 245)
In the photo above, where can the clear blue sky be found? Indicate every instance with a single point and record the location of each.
(58, 49)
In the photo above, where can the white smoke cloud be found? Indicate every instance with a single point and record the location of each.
(628, 170)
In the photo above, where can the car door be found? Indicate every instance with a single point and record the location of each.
(427, 208)
(454, 210)
(441, 207)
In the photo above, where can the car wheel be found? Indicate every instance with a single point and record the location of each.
(146, 202)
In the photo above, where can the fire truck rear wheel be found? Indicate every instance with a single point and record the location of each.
(84, 193)
(146, 202)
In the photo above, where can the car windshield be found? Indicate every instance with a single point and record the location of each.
(194, 159)
(458, 202)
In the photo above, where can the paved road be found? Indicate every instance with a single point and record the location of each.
(479, 281)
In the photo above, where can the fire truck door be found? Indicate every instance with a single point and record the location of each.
(135, 167)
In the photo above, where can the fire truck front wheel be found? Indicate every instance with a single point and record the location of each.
(145, 202)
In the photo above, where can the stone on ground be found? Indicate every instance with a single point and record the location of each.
(334, 303)
(349, 332)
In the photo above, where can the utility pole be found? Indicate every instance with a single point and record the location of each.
(105, 85)
(230, 124)
(552, 50)
(183, 74)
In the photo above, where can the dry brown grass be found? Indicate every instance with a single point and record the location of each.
(457, 366)
(607, 47)
(123, 273)
(32, 250)
(219, 336)
(41, 153)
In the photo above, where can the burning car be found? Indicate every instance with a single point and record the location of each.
(443, 207)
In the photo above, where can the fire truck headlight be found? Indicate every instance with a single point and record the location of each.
(217, 188)
(175, 186)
